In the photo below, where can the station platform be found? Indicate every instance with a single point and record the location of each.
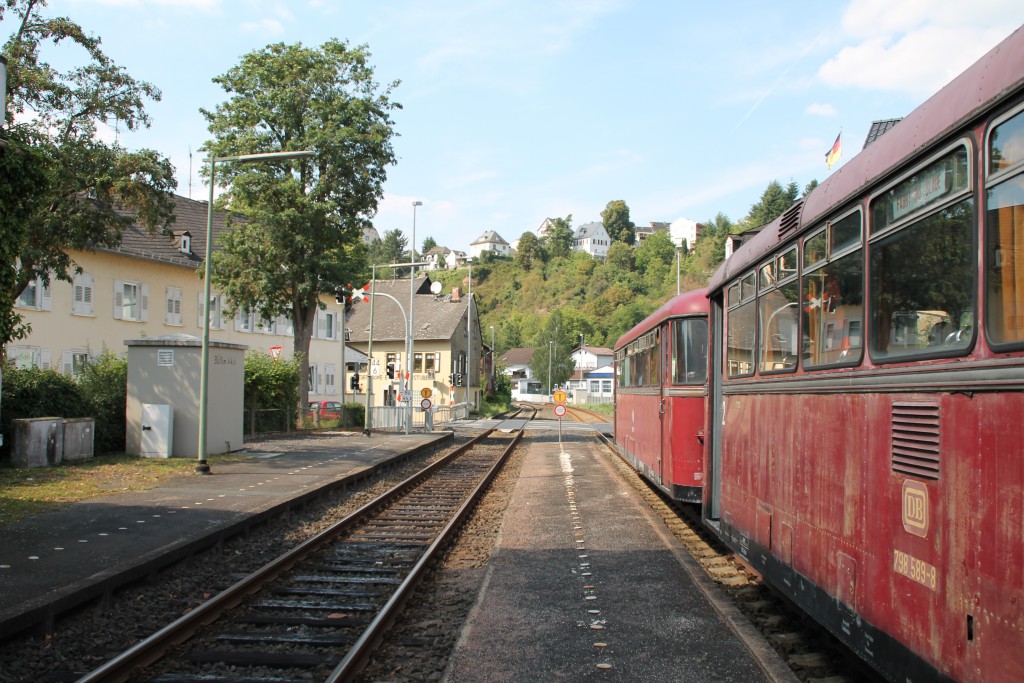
(586, 583)
(54, 561)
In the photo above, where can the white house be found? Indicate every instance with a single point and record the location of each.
(442, 258)
(591, 357)
(516, 364)
(490, 241)
(684, 230)
(592, 239)
(545, 228)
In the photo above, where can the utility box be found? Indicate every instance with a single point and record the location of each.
(165, 371)
(79, 438)
(157, 431)
(38, 442)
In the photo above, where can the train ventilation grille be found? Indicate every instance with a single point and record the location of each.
(790, 219)
(915, 439)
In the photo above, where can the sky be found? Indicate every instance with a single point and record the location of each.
(519, 110)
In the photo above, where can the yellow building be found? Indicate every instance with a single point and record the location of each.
(150, 286)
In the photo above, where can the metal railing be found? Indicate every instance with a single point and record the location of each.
(393, 418)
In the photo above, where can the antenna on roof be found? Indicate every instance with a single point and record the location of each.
(190, 171)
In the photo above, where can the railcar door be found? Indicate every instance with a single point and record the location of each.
(665, 460)
(716, 406)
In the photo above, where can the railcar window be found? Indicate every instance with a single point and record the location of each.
(1004, 262)
(815, 249)
(747, 287)
(833, 300)
(787, 264)
(921, 286)
(768, 275)
(689, 351)
(1006, 144)
(740, 352)
(931, 185)
(779, 311)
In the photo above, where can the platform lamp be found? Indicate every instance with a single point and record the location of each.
(411, 342)
(202, 467)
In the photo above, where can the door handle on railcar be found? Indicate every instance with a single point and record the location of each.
(661, 407)
(700, 436)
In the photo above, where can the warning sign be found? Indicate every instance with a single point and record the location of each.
(560, 396)
(275, 351)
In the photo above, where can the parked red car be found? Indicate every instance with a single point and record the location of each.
(325, 410)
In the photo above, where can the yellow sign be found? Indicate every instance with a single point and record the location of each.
(425, 392)
(559, 396)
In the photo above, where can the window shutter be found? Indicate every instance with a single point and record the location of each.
(44, 359)
(46, 301)
(337, 329)
(144, 316)
(87, 286)
(118, 299)
(238, 320)
(67, 360)
(78, 302)
(199, 304)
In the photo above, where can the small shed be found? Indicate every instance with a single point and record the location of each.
(165, 371)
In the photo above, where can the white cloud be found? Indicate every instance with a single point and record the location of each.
(819, 109)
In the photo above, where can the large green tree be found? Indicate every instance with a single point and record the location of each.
(558, 242)
(554, 342)
(528, 251)
(773, 202)
(82, 192)
(615, 219)
(303, 236)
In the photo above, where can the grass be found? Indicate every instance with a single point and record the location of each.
(25, 491)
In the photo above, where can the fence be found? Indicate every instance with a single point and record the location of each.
(395, 418)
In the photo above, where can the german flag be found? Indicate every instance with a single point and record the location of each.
(837, 151)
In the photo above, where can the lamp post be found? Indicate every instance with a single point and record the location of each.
(549, 366)
(469, 338)
(410, 347)
(493, 387)
(202, 467)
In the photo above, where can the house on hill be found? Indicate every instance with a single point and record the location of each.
(443, 258)
(489, 241)
(593, 239)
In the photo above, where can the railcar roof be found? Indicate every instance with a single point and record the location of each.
(688, 303)
(994, 77)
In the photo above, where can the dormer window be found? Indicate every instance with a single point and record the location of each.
(183, 240)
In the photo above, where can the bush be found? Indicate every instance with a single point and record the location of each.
(355, 415)
(31, 392)
(270, 383)
(104, 388)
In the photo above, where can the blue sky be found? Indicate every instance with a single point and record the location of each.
(518, 110)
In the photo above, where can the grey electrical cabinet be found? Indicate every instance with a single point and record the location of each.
(165, 371)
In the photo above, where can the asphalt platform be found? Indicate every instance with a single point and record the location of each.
(586, 583)
(54, 561)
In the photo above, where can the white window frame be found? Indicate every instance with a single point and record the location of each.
(245, 321)
(25, 357)
(82, 299)
(73, 361)
(216, 311)
(138, 312)
(173, 297)
(42, 298)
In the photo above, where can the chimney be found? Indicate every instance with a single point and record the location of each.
(456, 293)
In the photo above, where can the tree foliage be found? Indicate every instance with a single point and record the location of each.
(83, 191)
(773, 202)
(306, 216)
(528, 251)
(558, 243)
(554, 342)
(615, 219)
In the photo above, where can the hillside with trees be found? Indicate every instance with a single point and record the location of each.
(547, 292)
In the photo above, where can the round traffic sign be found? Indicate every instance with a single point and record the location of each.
(425, 404)
(559, 396)
(559, 410)
(425, 392)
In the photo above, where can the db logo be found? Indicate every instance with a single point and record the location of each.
(915, 508)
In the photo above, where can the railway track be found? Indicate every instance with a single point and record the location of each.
(318, 611)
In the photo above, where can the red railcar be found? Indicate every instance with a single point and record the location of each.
(866, 421)
(661, 371)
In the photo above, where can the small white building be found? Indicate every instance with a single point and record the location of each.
(490, 241)
(684, 230)
(516, 364)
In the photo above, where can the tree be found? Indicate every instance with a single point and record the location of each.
(555, 342)
(615, 218)
(529, 251)
(558, 242)
(389, 249)
(428, 244)
(774, 201)
(81, 192)
(656, 249)
(620, 256)
(305, 217)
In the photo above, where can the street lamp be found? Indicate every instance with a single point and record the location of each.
(493, 387)
(202, 467)
(412, 289)
(469, 338)
(549, 366)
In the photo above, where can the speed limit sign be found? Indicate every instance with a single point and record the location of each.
(560, 410)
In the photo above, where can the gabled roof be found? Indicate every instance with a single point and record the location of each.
(490, 237)
(516, 357)
(434, 317)
(189, 215)
(597, 350)
(589, 230)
